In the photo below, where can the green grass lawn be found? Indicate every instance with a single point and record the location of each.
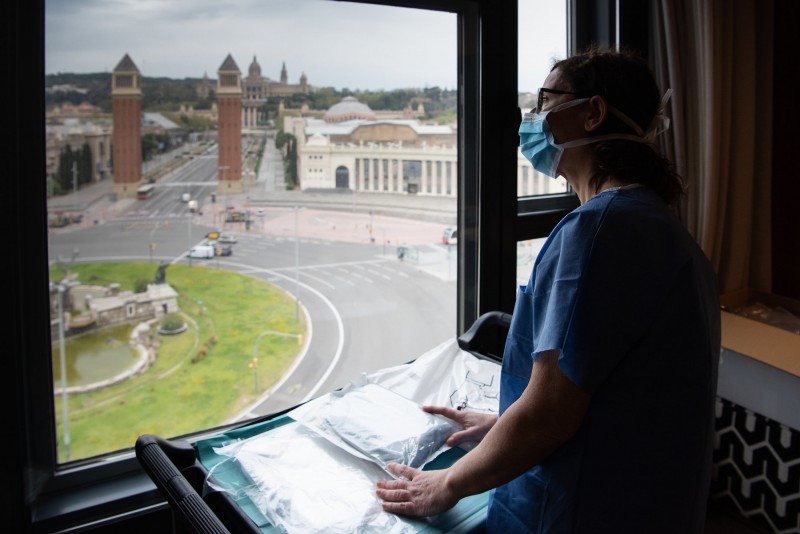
(201, 377)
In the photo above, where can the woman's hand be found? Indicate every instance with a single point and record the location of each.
(475, 424)
(419, 494)
(425, 493)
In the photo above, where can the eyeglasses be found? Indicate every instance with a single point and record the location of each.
(543, 90)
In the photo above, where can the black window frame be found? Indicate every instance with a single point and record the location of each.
(491, 219)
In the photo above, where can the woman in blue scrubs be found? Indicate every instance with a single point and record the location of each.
(609, 371)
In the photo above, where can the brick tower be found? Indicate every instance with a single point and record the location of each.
(126, 105)
(229, 127)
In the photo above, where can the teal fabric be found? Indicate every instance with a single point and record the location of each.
(234, 477)
(468, 516)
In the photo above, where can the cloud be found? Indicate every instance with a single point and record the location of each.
(542, 37)
(335, 44)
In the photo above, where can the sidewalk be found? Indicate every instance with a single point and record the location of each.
(94, 203)
(310, 222)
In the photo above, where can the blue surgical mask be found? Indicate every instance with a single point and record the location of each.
(538, 146)
(536, 139)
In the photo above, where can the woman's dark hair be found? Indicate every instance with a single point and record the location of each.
(627, 84)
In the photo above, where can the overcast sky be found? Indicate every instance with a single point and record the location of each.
(336, 44)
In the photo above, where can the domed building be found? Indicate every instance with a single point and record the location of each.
(254, 71)
(349, 109)
(257, 89)
(352, 148)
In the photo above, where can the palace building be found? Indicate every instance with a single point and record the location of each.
(257, 89)
(353, 147)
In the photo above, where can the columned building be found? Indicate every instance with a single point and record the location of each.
(254, 97)
(229, 127)
(126, 105)
(353, 148)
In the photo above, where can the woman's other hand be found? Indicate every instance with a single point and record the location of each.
(475, 424)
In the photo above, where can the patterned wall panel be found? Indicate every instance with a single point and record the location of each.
(757, 467)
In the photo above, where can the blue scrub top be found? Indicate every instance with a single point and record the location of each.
(631, 302)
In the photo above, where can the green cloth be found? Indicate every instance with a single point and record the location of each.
(467, 516)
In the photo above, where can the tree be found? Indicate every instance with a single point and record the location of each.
(280, 140)
(81, 161)
(291, 161)
(287, 144)
(85, 171)
(153, 143)
(64, 175)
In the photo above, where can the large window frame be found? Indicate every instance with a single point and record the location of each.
(490, 219)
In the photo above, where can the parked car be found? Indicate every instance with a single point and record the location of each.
(450, 236)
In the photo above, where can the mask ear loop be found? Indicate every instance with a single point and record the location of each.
(627, 120)
(660, 122)
(657, 126)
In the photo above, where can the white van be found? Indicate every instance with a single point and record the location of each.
(202, 251)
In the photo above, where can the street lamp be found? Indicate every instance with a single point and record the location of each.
(189, 231)
(63, 365)
(62, 287)
(296, 268)
(224, 168)
(74, 179)
(371, 239)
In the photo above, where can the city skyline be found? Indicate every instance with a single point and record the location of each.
(189, 38)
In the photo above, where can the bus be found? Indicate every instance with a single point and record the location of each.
(145, 191)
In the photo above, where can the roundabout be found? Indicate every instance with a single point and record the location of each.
(172, 375)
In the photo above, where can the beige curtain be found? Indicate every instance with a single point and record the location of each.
(717, 57)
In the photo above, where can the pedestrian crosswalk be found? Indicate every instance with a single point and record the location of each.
(379, 268)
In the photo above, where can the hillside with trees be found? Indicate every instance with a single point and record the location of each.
(167, 95)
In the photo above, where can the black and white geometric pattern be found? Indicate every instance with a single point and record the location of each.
(757, 467)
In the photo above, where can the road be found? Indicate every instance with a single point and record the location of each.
(367, 309)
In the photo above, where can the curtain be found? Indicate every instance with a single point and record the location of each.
(716, 55)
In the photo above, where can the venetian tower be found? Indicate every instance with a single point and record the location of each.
(229, 128)
(126, 105)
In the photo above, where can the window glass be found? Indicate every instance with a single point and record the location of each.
(527, 252)
(224, 240)
(542, 38)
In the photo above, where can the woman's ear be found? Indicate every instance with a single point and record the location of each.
(596, 116)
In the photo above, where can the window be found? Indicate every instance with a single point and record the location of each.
(542, 39)
(335, 274)
(460, 33)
